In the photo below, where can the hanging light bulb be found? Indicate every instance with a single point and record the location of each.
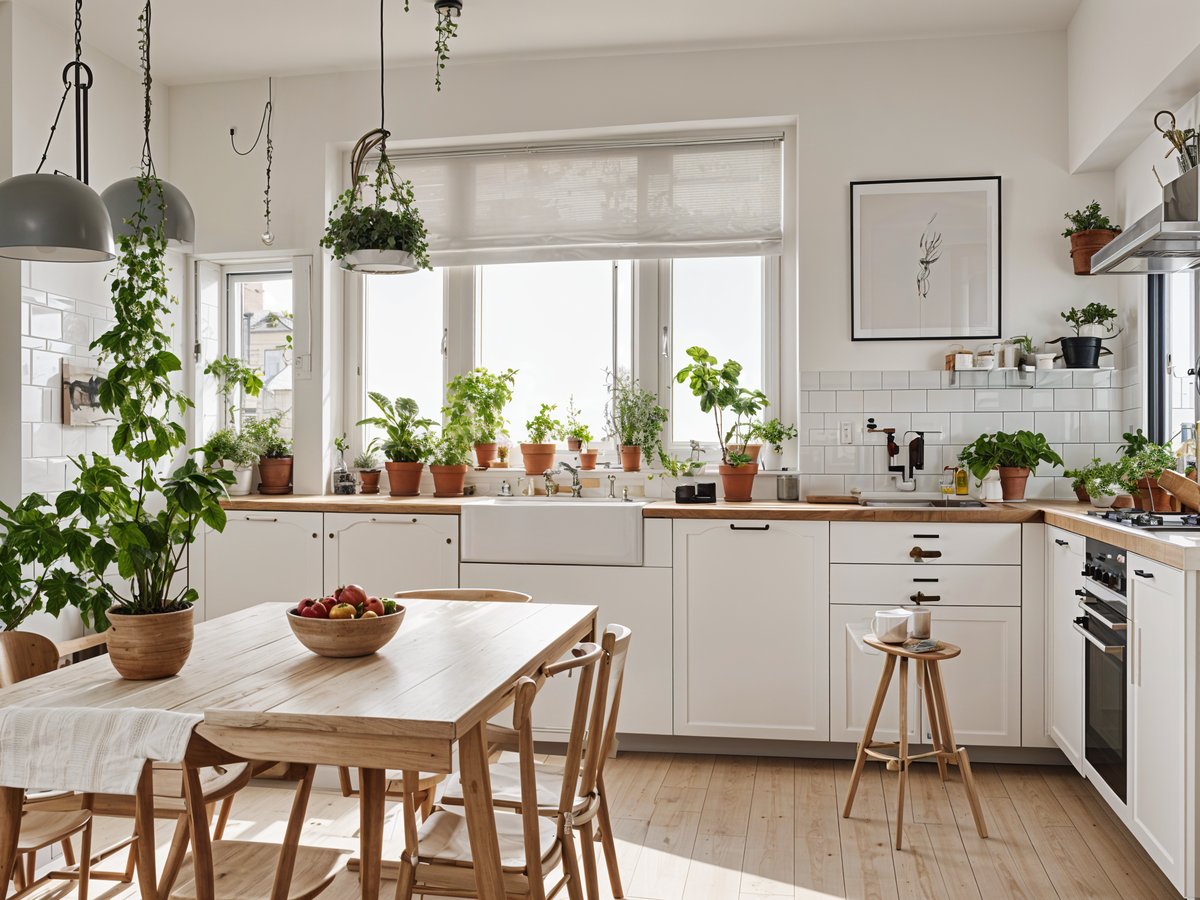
(57, 218)
(267, 237)
(123, 198)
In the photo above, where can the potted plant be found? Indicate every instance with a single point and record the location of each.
(405, 442)
(538, 453)
(274, 454)
(449, 459)
(342, 477)
(674, 472)
(1078, 480)
(774, 434)
(1089, 230)
(231, 374)
(137, 523)
(367, 463)
(636, 420)
(1013, 456)
(718, 390)
(587, 456)
(1142, 462)
(231, 449)
(574, 432)
(1102, 483)
(478, 398)
(1024, 344)
(1093, 324)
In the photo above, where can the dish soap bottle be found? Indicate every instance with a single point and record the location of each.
(961, 488)
(947, 482)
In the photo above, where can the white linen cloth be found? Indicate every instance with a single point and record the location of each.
(100, 751)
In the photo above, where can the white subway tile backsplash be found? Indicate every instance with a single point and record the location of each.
(822, 401)
(866, 381)
(46, 439)
(31, 404)
(826, 484)
(997, 401)
(1019, 421)
(26, 440)
(1094, 426)
(1076, 455)
(909, 401)
(56, 301)
(1036, 399)
(859, 483)
(74, 440)
(1073, 398)
(950, 401)
(935, 425)
(45, 369)
(847, 460)
(45, 322)
(1059, 378)
(29, 295)
(821, 437)
(812, 459)
(966, 426)
(1093, 378)
(76, 329)
(1058, 426)
(879, 401)
(850, 401)
(893, 381)
(835, 381)
(1106, 398)
(924, 379)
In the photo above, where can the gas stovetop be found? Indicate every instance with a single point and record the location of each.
(1149, 521)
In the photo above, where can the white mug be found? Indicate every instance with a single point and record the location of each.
(891, 626)
(920, 621)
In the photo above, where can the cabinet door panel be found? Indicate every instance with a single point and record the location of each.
(959, 543)
(1064, 645)
(854, 674)
(882, 586)
(751, 626)
(261, 557)
(389, 552)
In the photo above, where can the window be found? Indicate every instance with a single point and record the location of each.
(260, 318)
(562, 325)
(1179, 337)
(403, 328)
(717, 303)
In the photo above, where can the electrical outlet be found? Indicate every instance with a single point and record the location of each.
(847, 436)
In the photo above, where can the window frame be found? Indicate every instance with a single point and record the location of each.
(229, 329)
(1159, 401)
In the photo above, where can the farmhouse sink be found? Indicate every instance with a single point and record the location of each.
(940, 503)
(582, 531)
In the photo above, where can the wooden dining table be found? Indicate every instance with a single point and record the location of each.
(264, 696)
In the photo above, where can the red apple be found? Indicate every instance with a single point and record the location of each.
(353, 594)
(314, 610)
(373, 604)
(329, 602)
(305, 603)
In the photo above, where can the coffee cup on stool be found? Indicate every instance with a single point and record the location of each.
(920, 622)
(891, 626)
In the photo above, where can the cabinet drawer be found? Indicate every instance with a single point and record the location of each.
(888, 586)
(956, 543)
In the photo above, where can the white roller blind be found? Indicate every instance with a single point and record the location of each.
(605, 201)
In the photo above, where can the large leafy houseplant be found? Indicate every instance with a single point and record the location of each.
(635, 420)
(405, 444)
(477, 398)
(1014, 456)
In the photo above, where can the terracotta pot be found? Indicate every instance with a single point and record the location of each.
(1012, 482)
(448, 481)
(150, 646)
(485, 453)
(574, 444)
(737, 482)
(752, 451)
(587, 459)
(1123, 501)
(1084, 245)
(538, 458)
(1082, 496)
(275, 475)
(370, 481)
(404, 478)
(1153, 498)
(631, 458)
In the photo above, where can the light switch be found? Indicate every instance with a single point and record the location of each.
(847, 436)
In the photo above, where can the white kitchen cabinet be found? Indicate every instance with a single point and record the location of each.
(1064, 645)
(261, 557)
(854, 671)
(389, 552)
(926, 543)
(1158, 669)
(751, 629)
(637, 597)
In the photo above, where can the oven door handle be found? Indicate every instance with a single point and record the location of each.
(1091, 611)
(1117, 650)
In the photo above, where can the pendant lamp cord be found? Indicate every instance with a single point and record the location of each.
(264, 124)
(382, 92)
(147, 82)
(75, 69)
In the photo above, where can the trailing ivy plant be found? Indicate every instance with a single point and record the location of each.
(355, 225)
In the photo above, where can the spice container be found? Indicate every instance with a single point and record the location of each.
(787, 486)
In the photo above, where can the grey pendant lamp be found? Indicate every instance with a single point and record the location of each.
(167, 206)
(57, 218)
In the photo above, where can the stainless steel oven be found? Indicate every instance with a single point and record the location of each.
(1104, 626)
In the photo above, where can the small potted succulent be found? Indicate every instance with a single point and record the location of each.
(636, 420)
(716, 386)
(1142, 462)
(538, 452)
(449, 460)
(1093, 324)
(774, 434)
(405, 442)
(1013, 456)
(1089, 230)
(275, 454)
(367, 464)
(478, 398)
(231, 449)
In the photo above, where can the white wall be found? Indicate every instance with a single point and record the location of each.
(975, 106)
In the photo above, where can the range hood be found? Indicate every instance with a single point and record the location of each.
(1166, 239)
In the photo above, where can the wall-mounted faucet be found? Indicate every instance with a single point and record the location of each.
(576, 487)
(916, 454)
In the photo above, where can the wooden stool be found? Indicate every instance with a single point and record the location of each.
(945, 749)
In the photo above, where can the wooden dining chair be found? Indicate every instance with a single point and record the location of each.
(427, 782)
(437, 858)
(598, 743)
(255, 870)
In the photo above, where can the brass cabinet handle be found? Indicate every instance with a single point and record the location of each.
(921, 597)
(918, 554)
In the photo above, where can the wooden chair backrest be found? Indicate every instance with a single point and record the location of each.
(582, 662)
(610, 681)
(493, 595)
(24, 654)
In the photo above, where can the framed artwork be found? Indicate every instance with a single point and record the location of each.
(925, 259)
(81, 396)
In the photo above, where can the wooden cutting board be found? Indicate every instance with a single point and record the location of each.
(1183, 488)
(832, 498)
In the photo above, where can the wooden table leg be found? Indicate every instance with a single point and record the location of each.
(889, 663)
(481, 821)
(903, 752)
(372, 785)
(10, 830)
(147, 874)
(197, 814)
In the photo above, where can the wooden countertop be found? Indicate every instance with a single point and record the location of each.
(840, 512)
(348, 503)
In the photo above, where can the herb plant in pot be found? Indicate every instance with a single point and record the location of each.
(275, 455)
(774, 434)
(1089, 230)
(587, 456)
(1013, 456)
(636, 420)
(478, 398)
(539, 451)
(231, 449)
(1142, 462)
(1102, 483)
(405, 442)
(1093, 324)
(449, 460)
(367, 464)
(716, 386)
(574, 432)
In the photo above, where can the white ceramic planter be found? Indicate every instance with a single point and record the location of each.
(1104, 501)
(245, 479)
(379, 262)
(771, 461)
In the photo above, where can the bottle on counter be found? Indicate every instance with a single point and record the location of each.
(947, 482)
(961, 481)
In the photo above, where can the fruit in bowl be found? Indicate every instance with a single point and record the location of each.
(336, 627)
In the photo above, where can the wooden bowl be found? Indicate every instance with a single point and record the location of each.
(345, 638)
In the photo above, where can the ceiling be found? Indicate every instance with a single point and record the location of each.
(217, 40)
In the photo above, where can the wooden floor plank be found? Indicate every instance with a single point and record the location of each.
(818, 844)
(1005, 863)
(727, 804)
(953, 862)
(716, 869)
(769, 867)
(662, 867)
(917, 874)
(633, 779)
(865, 836)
